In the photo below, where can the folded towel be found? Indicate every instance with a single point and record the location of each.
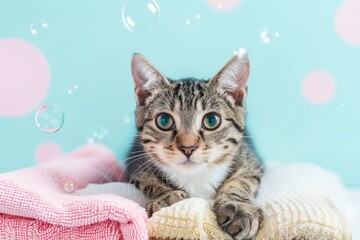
(304, 216)
(36, 203)
(189, 219)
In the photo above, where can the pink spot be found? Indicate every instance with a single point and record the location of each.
(223, 5)
(24, 77)
(318, 87)
(347, 22)
(47, 151)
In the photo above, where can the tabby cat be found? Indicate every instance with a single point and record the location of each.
(191, 142)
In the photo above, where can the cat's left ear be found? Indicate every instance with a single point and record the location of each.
(233, 78)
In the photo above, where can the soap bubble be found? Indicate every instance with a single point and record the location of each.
(240, 51)
(341, 107)
(193, 19)
(73, 89)
(127, 120)
(141, 16)
(69, 187)
(97, 135)
(266, 36)
(39, 28)
(49, 118)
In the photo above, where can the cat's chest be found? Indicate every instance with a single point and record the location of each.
(202, 184)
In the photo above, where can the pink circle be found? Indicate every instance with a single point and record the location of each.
(318, 87)
(24, 77)
(47, 151)
(347, 21)
(223, 5)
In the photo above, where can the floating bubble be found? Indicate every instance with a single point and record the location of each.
(127, 120)
(240, 51)
(73, 89)
(69, 187)
(39, 28)
(266, 36)
(341, 107)
(141, 16)
(193, 19)
(97, 135)
(49, 118)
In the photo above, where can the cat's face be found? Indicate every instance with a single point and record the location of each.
(190, 124)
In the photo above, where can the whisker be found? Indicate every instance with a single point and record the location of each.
(143, 155)
(116, 164)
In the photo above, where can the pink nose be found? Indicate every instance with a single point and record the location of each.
(188, 150)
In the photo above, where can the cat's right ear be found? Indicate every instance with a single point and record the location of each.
(233, 78)
(147, 79)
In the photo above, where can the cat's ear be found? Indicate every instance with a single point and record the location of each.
(233, 78)
(147, 78)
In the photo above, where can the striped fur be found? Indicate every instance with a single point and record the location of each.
(222, 169)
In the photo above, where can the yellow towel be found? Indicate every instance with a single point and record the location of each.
(311, 217)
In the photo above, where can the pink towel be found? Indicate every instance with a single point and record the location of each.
(35, 205)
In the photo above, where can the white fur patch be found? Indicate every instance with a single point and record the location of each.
(150, 75)
(201, 184)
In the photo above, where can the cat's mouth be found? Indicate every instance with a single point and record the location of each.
(188, 163)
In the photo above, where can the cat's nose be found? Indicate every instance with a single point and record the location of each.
(188, 150)
(187, 143)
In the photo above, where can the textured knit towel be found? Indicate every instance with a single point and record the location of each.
(311, 217)
(35, 205)
(188, 219)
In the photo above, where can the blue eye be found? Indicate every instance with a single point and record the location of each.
(165, 121)
(211, 121)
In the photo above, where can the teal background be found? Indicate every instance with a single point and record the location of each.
(88, 44)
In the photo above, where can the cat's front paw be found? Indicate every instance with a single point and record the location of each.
(241, 220)
(165, 200)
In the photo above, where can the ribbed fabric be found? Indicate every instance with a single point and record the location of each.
(187, 219)
(35, 206)
(311, 217)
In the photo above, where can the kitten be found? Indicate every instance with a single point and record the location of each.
(191, 143)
